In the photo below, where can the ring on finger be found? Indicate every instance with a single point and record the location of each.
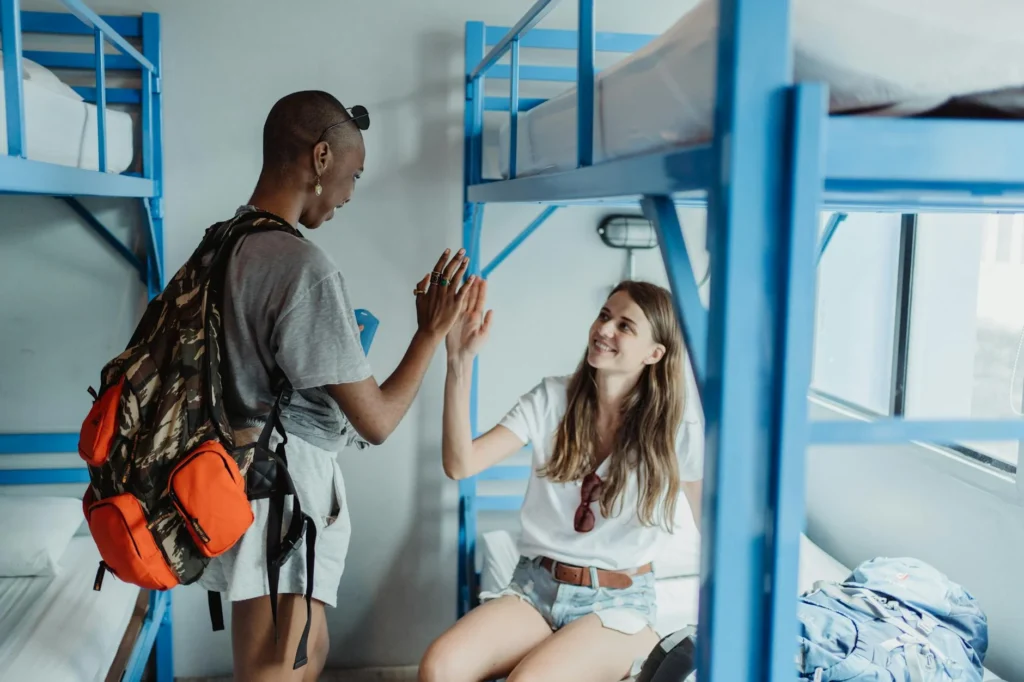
(418, 292)
(444, 282)
(435, 277)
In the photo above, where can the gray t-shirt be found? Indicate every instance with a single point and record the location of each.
(286, 306)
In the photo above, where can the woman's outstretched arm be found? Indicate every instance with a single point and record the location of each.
(462, 456)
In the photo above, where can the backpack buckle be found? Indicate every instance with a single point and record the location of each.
(287, 546)
(285, 550)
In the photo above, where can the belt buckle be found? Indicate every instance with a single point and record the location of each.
(554, 571)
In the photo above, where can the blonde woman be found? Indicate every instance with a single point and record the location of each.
(615, 448)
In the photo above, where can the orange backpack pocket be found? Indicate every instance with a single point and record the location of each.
(126, 544)
(100, 426)
(209, 492)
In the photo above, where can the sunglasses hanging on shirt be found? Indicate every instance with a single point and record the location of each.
(590, 491)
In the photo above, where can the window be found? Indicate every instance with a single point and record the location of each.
(923, 317)
(966, 324)
(856, 312)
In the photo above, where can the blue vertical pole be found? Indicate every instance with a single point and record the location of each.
(585, 89)
(472, 215)
(101, 102)
(10, 28)
(806, 154)
(513, 109)
(147, 124)
(164, 641)
(748, 216)
(154, 116)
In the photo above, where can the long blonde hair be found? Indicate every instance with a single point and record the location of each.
(651, 415)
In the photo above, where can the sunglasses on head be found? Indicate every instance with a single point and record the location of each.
(583, 522)
(357, 115)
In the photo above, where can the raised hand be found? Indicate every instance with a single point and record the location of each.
(439, 298)
(469, 332)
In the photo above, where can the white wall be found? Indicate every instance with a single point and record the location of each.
(403, 60)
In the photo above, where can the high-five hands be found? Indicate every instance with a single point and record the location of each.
(440, 299)
(469, 332)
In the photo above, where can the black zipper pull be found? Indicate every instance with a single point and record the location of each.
(92, 392)
(98, 584)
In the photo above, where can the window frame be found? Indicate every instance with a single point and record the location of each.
(901, 355)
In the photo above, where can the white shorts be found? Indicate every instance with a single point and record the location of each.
(241, 572)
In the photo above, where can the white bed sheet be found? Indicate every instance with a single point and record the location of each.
(894, 57)
(59, 629)
(62, 130)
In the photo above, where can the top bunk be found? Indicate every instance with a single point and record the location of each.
(920, 103)
(71, 134)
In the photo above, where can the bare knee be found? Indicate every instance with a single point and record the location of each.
(440, 663)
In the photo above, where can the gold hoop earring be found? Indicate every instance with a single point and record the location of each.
(317, 188)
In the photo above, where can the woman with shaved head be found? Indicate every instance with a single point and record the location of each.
(287, 317)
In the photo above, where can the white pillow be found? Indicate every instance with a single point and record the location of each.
(500, 557)
(44, 78)
(679, 555)
(35, 532)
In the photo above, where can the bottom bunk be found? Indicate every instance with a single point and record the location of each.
(678, 594)
(53, 625)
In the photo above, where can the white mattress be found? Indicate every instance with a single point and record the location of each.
(893, 57)
(61, 129)
(59, 629)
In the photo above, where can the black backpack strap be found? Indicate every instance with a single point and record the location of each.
(216, 610)
(279, 549)
(300, 653)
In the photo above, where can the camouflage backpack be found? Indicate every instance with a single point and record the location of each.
(169, 486)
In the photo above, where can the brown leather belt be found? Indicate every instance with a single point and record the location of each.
(580, 575)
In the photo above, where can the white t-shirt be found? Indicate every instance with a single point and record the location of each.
(616, 543)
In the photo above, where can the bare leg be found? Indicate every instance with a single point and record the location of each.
(585, 650)
(485, 644)
(258, 657)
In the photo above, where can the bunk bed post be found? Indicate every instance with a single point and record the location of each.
(747, 215)
(101, 101)
(472, 222)
(585, 91)
(165, 643)
(152, 136)
(10, 27)
(513, 110)
(809, 112)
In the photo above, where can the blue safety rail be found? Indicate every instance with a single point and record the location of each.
(776, 159)
(21, 175)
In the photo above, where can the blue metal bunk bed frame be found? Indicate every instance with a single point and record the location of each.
(777, 157)
(22, 176)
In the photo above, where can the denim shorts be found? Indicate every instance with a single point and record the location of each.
(628, 610)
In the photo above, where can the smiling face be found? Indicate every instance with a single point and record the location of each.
(621, 338)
